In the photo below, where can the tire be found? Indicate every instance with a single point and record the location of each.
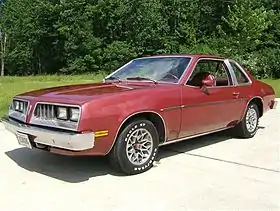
(244, 130)
(126, 155)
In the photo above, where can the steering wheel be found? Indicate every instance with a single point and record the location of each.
(172, 75)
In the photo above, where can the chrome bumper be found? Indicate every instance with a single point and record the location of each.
(275, 104)
(64, 140)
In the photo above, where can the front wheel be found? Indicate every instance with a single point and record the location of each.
(248, 127)
(136, 147)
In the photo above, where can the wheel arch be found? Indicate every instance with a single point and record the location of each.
(152, 116)
(259, 102)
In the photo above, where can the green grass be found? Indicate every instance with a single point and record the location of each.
(10, 86)
(275, 83)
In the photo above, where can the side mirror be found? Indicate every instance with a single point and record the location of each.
(208, 82)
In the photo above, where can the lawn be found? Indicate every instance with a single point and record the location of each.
(10, 86)
(275, 83)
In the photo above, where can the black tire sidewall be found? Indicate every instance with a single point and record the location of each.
(122, 158)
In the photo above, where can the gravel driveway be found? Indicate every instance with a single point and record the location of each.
(209, 173)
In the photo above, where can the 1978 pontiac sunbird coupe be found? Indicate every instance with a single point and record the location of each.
(147, 103)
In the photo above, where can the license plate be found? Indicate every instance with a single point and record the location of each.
(23, 140)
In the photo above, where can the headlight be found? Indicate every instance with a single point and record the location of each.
(18, 106)
(21, 106)
(74, 114)
(62, 113)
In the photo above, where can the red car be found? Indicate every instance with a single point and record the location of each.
(147, 103)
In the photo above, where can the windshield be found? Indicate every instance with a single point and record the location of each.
(166, 69)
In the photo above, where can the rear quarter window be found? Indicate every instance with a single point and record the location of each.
(240, 76)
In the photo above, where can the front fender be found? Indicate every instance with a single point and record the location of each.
(109, 112)
(106, 116)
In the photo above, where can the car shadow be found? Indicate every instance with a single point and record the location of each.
(65, 168)
(80, 169)
(193, 144)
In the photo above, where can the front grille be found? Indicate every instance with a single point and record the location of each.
(45, 111)
(46, 114)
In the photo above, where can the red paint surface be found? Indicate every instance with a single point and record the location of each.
(105, 106)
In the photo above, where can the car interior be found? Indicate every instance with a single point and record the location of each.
(205, 68)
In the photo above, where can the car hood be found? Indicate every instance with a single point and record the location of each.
(81, 93)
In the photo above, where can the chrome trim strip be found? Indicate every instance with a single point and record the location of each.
(64, 140)
(193, 136)
(165, 56)
(210, 87)
(139, 112)
(118, 70)
(213, 103)
(171, 108)
(33, 119)
(186, 70)
(231, 72)
(201, 104)
(121, 86)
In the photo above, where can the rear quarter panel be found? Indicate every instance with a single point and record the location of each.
(259, 89)
(266, 92)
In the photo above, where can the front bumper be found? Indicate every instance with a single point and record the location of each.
(273, 104)
(50, 138)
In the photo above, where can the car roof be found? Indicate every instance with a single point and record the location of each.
(198, 56)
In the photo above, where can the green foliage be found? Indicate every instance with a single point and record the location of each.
(116, 53)
(85, 36)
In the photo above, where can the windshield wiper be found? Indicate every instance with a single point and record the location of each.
(138, 78)
(113, 78)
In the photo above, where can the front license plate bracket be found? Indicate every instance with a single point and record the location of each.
(24, 140)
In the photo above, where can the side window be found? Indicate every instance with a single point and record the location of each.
(240, 76)
(215, 68)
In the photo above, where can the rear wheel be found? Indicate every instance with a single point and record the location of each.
(248, 127)
(136, 147)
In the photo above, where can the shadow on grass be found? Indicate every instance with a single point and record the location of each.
(80, 169)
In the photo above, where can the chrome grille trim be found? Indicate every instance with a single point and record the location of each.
(45, 111)
(44, 114)
(21, 116)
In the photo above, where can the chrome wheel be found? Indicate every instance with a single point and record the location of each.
(251, 120)
(139, 146)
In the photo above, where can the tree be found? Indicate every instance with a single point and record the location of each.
(3, 52)
(79, 36)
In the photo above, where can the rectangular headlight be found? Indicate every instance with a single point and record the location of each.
(16, 105)
(62, 113)
(19, 106)
(74, 114)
